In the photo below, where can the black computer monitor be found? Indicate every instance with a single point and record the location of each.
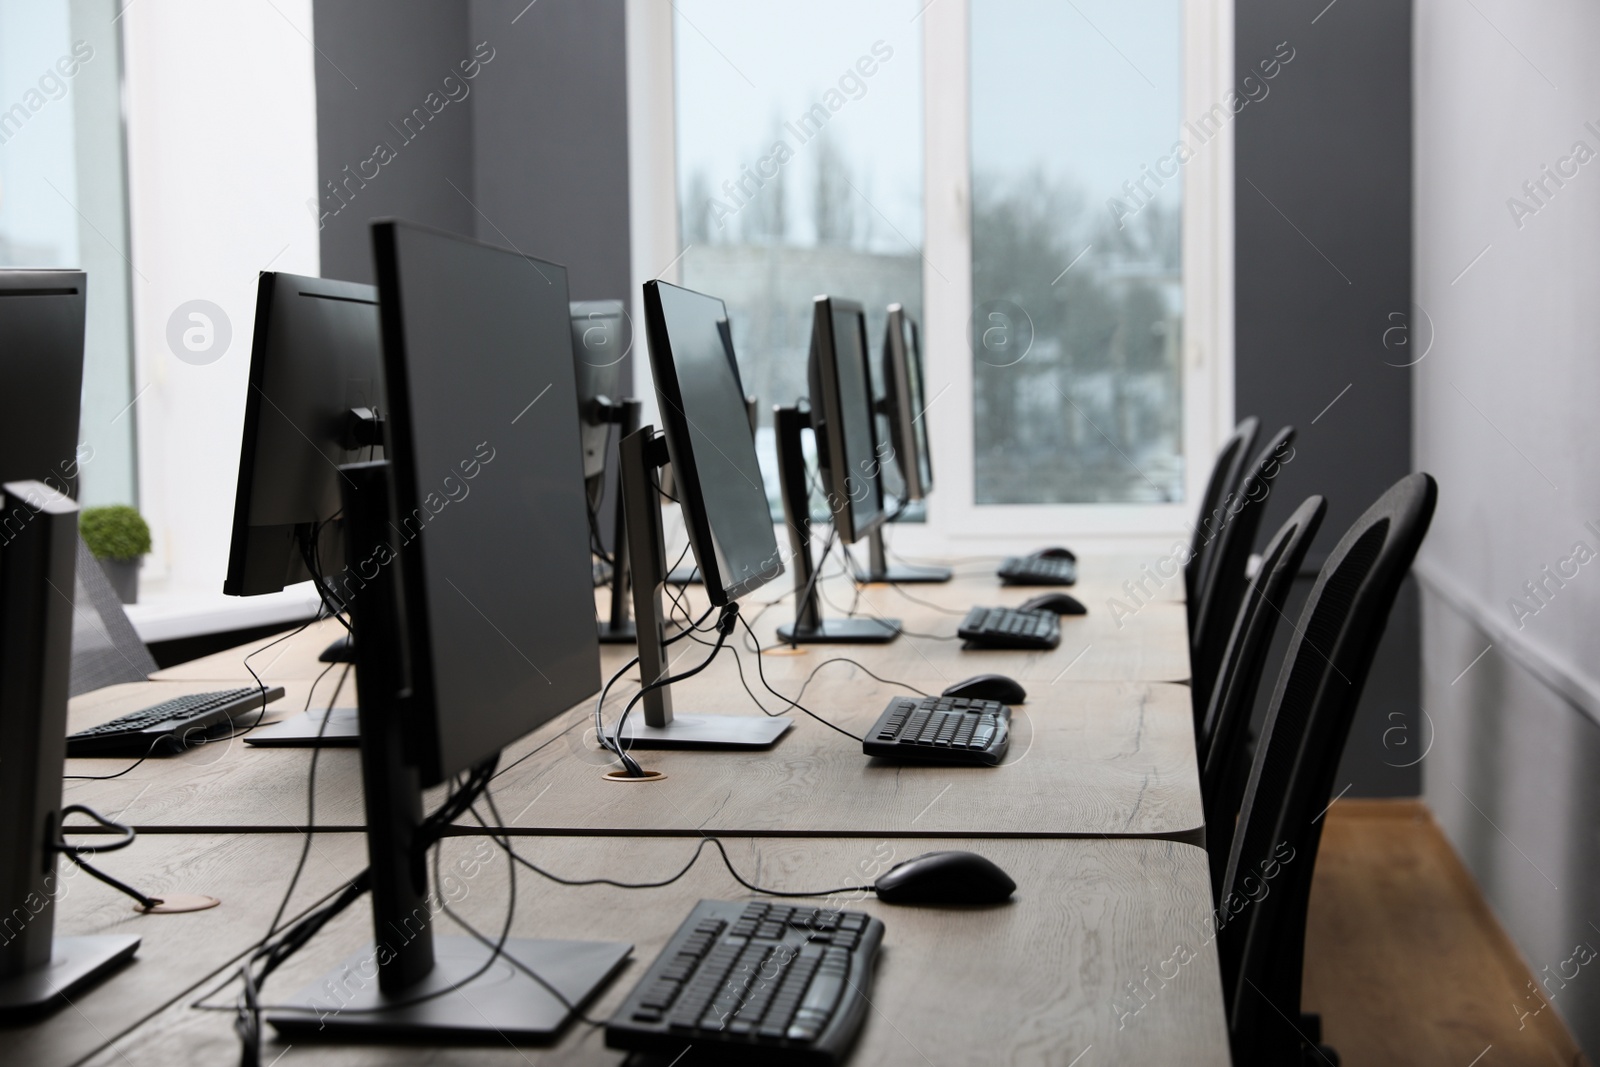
(904, 402)
(718, 485)
(904, 406)
(599, 345)
(471, 548)
(715, 472)
(842, 417)
(37, 554)
(314, 359)
(41, 368)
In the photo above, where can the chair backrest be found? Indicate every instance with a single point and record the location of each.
(1262, 915)
(1222, 733)
(105, 647)
(1226, 474)
(1237, 521)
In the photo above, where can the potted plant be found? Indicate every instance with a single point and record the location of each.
(119, 538)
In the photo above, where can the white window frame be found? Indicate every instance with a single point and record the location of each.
(956, 523)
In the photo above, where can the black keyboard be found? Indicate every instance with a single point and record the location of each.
(173, 725)
(1038, 570)
(947, 729)
(754, 983)
(1010, 628)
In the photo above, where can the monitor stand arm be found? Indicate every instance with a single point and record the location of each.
(809, 626)
(373, 994)
(619, 629)
(641, 453)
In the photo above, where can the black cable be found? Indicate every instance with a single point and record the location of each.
(931, 637)
(75, 853)
(311, 792)
(855, 663)
(725, 625)
(768, 686)
(897, 587)
(811, 583)
(628, 762)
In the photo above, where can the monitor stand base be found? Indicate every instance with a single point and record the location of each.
(341, 651)
(302, 731)
(625, 633)
(905, 575)
(505, 1003)
(75, 962)
(706, 731)
(842, 632)
(685, 576)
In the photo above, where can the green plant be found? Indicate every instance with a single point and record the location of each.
(115, 532)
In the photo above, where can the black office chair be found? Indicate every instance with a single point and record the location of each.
(1222, 734)
(1262, 917)
(1226, 473)
(1222, 587)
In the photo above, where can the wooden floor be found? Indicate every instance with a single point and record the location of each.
(1406, 963)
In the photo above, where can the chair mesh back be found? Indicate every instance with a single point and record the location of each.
(1221, 736)
(105, 648)
(1268, 877)
(1226, 474)
(1222, 588)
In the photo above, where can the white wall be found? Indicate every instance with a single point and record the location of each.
(222, 159)
(1505, 418)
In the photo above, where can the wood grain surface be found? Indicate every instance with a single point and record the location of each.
(1047, 979)
(178, 953)
(1085, 759)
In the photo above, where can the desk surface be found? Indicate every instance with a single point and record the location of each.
(1038, 981)
(1147, 643)
(1086, 759)
(177, 953)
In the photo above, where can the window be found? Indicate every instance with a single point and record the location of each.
(63, 203)
(1077, 282)
(799, 173)
(1009, 174)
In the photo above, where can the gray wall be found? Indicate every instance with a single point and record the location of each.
(533, 154)
(1504, 415)
(1322, 262)
(530, 153)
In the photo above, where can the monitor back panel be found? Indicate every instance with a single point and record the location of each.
(41, 373)
(488, 484)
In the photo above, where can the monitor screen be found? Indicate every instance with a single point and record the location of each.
(707, 427)
(489, 495)
(847, 439)
(314, 358)
(600, 342)
(41, 373)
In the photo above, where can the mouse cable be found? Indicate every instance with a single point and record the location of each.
(861, 666)
(662, 883)
(901, 589)
(761, 671)
(725, 625)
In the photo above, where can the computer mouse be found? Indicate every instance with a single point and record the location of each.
(1060, 603)
(1056, 552)
(945, 878)
(989, 687)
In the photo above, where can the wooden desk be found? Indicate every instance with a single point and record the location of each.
(178, 953)
(1147, 644)
(1086, 759)
(1041, 980)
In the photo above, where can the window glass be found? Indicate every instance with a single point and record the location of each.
(799, 155)
(1077, 288)
(63, 203)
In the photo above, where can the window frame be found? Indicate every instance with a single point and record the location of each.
(955, 522)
